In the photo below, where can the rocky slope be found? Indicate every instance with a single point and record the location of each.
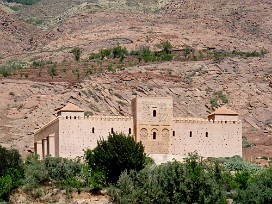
(222, 25)
(16, 36)
(245, 82)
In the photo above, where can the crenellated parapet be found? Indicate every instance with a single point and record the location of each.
(97, 118)
(203, 121)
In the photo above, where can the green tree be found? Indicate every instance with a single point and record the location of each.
(258, 190)
(10, 171)
(169, 183)
(9, 159)
(116, 154)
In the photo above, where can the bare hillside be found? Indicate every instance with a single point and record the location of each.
(16, 36)
(203, 25)
(246, 84)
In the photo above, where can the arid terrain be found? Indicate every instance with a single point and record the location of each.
(31, 99)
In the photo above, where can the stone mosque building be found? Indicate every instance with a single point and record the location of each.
(163, 136)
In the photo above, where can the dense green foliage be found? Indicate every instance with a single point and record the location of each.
(59, 171)
(10, 171)
(258, 189)
(140, 181)
(25, 2)
(116, 154)
(9, 159)
(174, 182)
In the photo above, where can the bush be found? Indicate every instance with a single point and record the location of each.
(219, 98)
(259, 190)
(105, 53)
(9, 159)
(166, 47)
(119, 52)
(56, 170)
(35, 173)
(172, 182)
(94, 56)
(34, 21)
(10, 171)
(10, 181)
(76, 52)
(246, 143)
(118, 153)
(52, 71)
(5, 71)
(25, 2)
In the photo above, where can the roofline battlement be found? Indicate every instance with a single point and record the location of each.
(203, 121)
(97, 117)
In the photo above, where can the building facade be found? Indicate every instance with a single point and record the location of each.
(164, 137)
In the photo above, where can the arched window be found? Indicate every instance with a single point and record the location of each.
(93, 130)
(129, 130)
(174, 133)
(191, 134)
(70, 117)
(207, 134)
(154, 135)
(111, 130)
(66, 117)
(154, 113)
(74, 117)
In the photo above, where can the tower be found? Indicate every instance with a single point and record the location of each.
(153, 118)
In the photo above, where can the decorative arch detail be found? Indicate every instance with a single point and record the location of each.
(143, 134)
(165, 134)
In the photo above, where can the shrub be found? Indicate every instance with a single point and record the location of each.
(172, 182)
(166, 57)
(259, 190)
(10, 171)
(25, 2)
(105, 53)
(35, 173)
(118, 153)
(5, 71)
(219, 98)
(219, 55)
(166, 47)
(9, 159)
(236, 163)
(34, 21)
(56, 170)
(5, 187)
(246, 143)
(52, 71)
(8, 182)
(187, 51)
(94, 56)
(76, 52)
(119, 51)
